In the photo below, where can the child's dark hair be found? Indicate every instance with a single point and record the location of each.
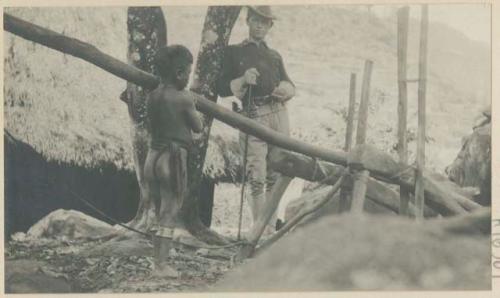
(169, 59)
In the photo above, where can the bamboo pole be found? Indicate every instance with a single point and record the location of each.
(403, 16)
(422, 70)
(345, 194)
(361, 176)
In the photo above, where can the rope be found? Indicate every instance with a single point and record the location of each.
(315, 168)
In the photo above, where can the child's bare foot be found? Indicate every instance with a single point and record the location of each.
(165, 270)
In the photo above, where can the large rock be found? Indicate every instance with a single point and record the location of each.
(70, 224)
(369, 253)
(472, 167)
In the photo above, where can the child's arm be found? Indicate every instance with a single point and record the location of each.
(193, 118)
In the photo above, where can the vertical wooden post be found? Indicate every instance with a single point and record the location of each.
(361, 177)
(350, 113)
(344, 192)
(403, 16)
(422, 72)
(363, 105)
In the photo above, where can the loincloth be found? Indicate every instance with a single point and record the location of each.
(177, 166)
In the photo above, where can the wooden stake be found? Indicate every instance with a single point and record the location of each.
(363, 105)
(422, 70)
(344, 192)
(350, 113)
(359, 188)
(403, 16)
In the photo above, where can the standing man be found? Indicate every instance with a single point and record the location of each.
(256, 75)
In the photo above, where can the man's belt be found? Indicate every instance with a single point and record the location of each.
(262, 100)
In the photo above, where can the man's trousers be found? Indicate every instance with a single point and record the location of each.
(260, 177)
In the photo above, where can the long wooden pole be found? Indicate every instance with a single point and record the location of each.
(442, 195)
(422, 72)
(403, 17)
(78, 49)
(361, 176)
(345, 193)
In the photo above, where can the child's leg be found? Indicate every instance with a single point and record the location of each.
(152, 188)
(172, 177)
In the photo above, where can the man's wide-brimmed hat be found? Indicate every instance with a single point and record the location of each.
(264, 11)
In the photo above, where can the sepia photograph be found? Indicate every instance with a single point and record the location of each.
(248, 148)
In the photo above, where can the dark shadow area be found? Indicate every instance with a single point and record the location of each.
(34, 187)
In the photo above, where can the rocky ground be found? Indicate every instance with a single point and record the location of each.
(63, 266)
(337, 253)
(75, 257)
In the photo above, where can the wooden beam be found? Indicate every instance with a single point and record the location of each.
(293, 164)
(403, 17)
(422, 72)
(361, 176)
(443, 196)
(78, 49)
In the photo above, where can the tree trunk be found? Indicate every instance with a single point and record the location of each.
(147, 32)
(217, 28)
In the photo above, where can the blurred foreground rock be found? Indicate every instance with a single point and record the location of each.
(369, 253)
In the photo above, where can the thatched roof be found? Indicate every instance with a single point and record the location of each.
(80, 118)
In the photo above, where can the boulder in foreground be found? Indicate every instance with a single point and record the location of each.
(369, 253)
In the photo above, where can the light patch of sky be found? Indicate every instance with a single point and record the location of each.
(474, 20)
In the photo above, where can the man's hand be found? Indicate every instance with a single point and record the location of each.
(284, 91)
(250, 76)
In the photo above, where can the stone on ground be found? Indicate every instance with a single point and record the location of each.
(70, 224)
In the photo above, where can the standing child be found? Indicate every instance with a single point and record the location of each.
(172, 117)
